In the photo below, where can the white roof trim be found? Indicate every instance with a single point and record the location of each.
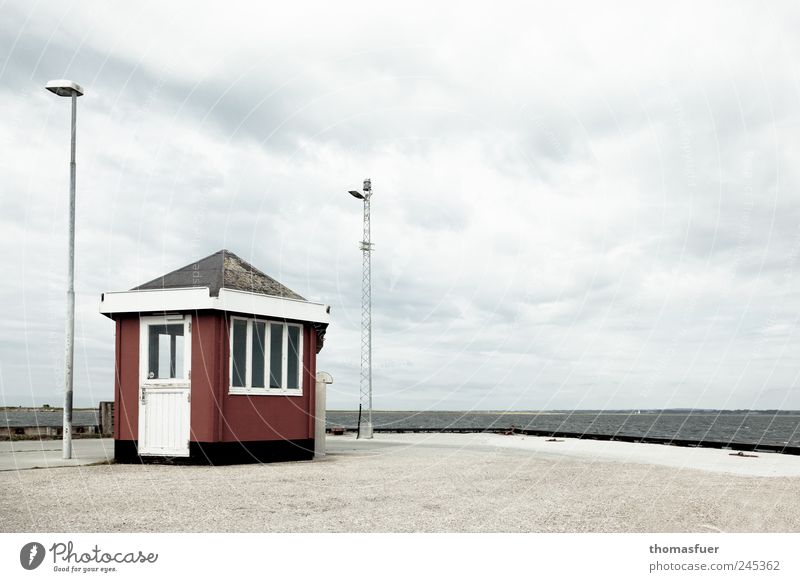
(271, 306)
(194, 298)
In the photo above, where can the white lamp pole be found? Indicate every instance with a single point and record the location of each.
(65, 88)
(365, 425)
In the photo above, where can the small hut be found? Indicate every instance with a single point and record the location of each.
(215, 363)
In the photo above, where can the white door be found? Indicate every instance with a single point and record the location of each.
(165, 350)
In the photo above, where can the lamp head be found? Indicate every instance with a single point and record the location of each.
(357, 194)
(64, 88)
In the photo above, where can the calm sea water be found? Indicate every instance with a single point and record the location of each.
(781, 428)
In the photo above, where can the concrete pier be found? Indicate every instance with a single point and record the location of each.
(419, 483)
(36, 454)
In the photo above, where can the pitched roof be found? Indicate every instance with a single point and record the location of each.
(221, 270)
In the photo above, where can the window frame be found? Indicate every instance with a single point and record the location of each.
(145, 321)
(248, 389)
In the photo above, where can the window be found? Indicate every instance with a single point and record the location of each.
(165, 353)
(266, 357)
(165, 350)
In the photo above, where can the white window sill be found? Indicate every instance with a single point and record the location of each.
(264, 392)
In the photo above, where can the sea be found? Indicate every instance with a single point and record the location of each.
(781, 428)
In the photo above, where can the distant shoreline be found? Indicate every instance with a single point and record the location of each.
(494, 412)
(776, 429)
(41, 409)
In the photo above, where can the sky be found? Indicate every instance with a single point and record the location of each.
(576, 204)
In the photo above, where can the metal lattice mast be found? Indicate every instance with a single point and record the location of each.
(365, 395)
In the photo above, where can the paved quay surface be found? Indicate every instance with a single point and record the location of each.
(421, 482)
(16, 455)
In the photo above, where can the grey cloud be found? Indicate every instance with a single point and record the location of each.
(558, 232)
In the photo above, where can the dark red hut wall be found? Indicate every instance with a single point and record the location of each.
(257, 418)
(206, 354)
(215, 415)
(206, 351)
(126, 389)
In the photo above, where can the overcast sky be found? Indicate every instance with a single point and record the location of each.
(580, 206)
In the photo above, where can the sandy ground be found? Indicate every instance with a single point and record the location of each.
(417, 482)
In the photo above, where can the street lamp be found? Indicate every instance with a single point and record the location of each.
(365, 400)
(65, 88)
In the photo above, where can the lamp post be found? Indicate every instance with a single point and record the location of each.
(65, 88)
(365, 401)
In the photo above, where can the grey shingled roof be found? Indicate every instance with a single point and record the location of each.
(221, 270)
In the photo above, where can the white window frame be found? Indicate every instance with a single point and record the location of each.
(144, 349)
(248, 389)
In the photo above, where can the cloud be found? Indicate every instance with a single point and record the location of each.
(575, 206)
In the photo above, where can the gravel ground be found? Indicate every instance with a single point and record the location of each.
(401, 483)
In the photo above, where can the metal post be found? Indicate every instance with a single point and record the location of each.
(67, 436)
(365, 426)
(323, 379)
